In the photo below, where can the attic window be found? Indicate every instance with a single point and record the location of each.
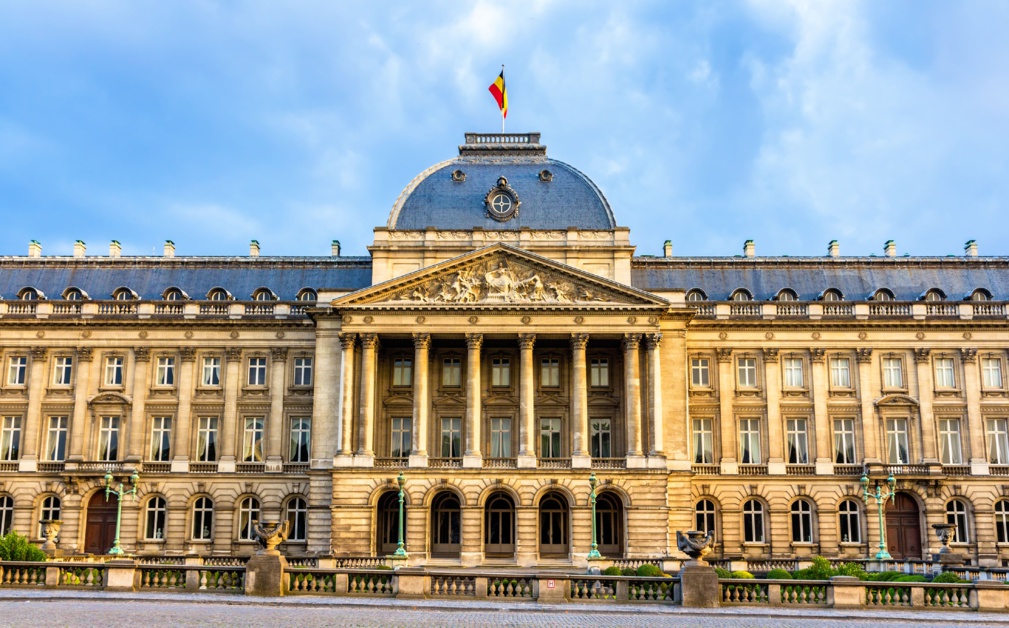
(218, 294)
(980, 295)
(786, 294)
(73, 294)
(935, 295)
(263, 294)
(832, 294)
(173, 294)
(458, 176)
(123, 294)
(28, 294)
(741, 294)
(546, 175)
(883, 294)
(307, 294)
(696, 295)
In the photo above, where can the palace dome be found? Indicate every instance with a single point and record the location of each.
(457, 194)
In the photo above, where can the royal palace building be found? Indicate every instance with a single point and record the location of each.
(500, 343)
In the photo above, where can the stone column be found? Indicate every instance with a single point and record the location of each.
(421, 399)
(82, 378)
(347, 341)
(975, 424)
(473, 456)
(137, 448)
(366, 435)
(229, 422)
(34, 424)
(923, 371)
(325, 414)
(580, 457)
(275, 424)
(870, 437)
(775, 422)
(183, 418)
(821, 422)
(726, 420)
(527, 401)
(656, 417)
(632, 399)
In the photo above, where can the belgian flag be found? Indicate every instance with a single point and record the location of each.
(497, 89)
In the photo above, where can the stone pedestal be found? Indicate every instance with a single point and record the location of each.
(845, 592)
(121, 575)
(699, 586)
(552, 589)
(264, 575)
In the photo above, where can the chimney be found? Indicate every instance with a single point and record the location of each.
(667, 248)
(890, 249)
(80, 248)
(970, 248)
(254, 248)
(169, 248)
(34, 248)
(334, 248)
(749, 249)
(115, 249)
(833, 249)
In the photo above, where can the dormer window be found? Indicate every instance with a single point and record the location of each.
(980, 295)
(307, 294)
(218, 294)
(741, 294)
(786, 294)
(174, 294)
(883, 294)
(124, 294)
(73, 294)
(696, 295)
(29, 294)
(934, 295)
(263, 294)
(832, 294)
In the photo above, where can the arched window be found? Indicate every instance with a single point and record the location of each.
(696, 295)
(553, 525)
(156, 518)
(173, 294)
(248, 511)
(203, 519)
(934, 294)
(753, 522)
(832, 294)
(741, 294)
(50, 510)
(297, 519)
(307, 294)
(956, 513)
(6, 514)
(1002, 521)
(610, 525)
(883, 294)
(704, 516)
(218, 294)
(123, 294)
(499, 526)
(73, 294)
(850, 524)
(387, 523)
(262, 294)
(980, 295)
(28, 294)
(802, 522)
(786, 294)
(446, 524)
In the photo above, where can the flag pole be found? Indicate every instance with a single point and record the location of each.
(502, 111)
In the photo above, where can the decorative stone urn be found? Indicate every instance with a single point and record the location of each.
(270, 534)
(694, 544)
(698, 580)
(946, 533)
(51, 530)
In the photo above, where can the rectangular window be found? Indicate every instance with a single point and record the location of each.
(600, 438)
(500, 372)
(550, 438)
(949, 441)
(211, 371)
(252, 440)
(893, 373)
(165, 373)
(301, 439)
(17, 370)
(747, 370)
(451, 437)
(63, 370)
(302, 371)
(944, 373)
(840, 373)
(402, 372)
(108, 438)
(206, 439)
(402, 437)
(550, 372)
(793, 373)
(998, 441)
(10, 438)
(991, 372)
(844, 441)
(797, 441)
(749, 441)
(451, 372)
(161, 438)
(599, 372)
(500, 438)
(114, 370)
(700, 377)
(896, 442)
(56, 439)
(257, 371)
(704, 439)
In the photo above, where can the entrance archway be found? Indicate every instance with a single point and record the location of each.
(446, 523)
(499, 526)
(387, 525)
(610, 525)
(554, 526)
(100, 529)
(903, 527)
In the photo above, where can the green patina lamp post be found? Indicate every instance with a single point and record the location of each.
(119, 493)
(594, 552)
(880, 496)
(400, 550)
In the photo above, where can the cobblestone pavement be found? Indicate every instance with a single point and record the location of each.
(33, 608)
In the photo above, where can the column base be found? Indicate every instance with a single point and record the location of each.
(776, 467)
(472, 461)
(525, 462)
(274, 464)
(636, 461)
(343, 460)
(364, 460)
(729, 467)
(28, 463)
(657, 461)
(979, 466)
(418, 460)
(226, 464)
(181, 465)
(581, 462)
(824, 466)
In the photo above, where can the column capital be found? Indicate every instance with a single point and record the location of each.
(187, 354)
(921, 354)
(816, 354)
(652, 341)
(770, 354)
(279, 354)
(422, 341)
(968, 354)
(864, 355)
(369, 341)
(39, 353)
(347, 339)
(83, 354)
(233, 353)
(724, 355)
(579, 341)
(526, 341)
(474, 341)
(631, 342)
(141, 354)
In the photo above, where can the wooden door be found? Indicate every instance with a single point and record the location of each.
(903, 527)
(100, 529)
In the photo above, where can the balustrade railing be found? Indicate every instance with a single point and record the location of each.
(747, 310)
(391, 463)
(706, 469)
(444, 463)
(838, 309)
(609, 463)
(500, 463)
(988, 310)
(554, 463)
(800, 469)
(941, 309)
(792, 309)
(753, 469)
(889, 308)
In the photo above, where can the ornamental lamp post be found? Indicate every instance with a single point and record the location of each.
(594, 552)
(119, 493)
(400, 550)
(880, 496)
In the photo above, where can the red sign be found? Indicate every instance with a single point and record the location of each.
(550, 584)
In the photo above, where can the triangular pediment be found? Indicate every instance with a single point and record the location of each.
(498, 275)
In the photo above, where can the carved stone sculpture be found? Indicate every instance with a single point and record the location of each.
(51, 530)
(946, 533)
(695, 544)
(270, 534)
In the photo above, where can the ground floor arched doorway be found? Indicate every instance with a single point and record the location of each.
(100, 529)
(903, 527)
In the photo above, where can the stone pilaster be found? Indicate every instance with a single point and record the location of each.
(580, 456)
(183, 419)
(275, 425)
(527, 400)
(369, 374)
(473, 456)
(656, 418)
(421, 399)
(229, 422)
(347, 344)
(923, 372)
(632, 398)
(34, 425)
(82, 379)
(870, 435)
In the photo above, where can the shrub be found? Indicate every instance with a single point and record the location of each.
(724, 573)
(802, 574)
(649, 571)
(628, 571)
(612, 570)
(820, 569)
(851, 569)
(883, 576)
(743, 575)
(910, 578)
(948, 577)
(778, 574)
(15, 547)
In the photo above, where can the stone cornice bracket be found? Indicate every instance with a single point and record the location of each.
(187, 354)
(278, 354)
(921, 354)
(631, 342)
(526, 341)
(770, 355)
(816, 355)
(724, 355)
(652, 341)
(422, 341)
(39, 353)
(84, 354)
(369, 341)
(233, 353)
(864, 355)
(474, 341)
(141, 354)
(347, 340)
(579, 341)
(968, 354)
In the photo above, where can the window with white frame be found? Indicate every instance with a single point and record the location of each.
(840, 372)
(949, 441)
(700, 375)
(500, 372)
(297, 519)
(252, 440)
(156, 516)
(500, 437)
(753, 521)
(896, 442)
(164, 374)
(203, 519)
(402, 437)
(956, 513)
(1002, 521)
(451, 437)
(704, 516)
(746, 369)
(793, 373)
(10, 438)
(161, 438)
(944, 373)
(704, 440)
(303, 371)
(599, 372)
(206, 439)
(991, 373)
(108, 438)
(550, 438)
(849, 522)
(257, 372)
(248, 511)
(749, 441)
(451, 372)
(301, 439)
(893, 373)
(998, 440)
(802, 522)
(6, 514)
(17, 370)
(550, 372)
(600, 438)
(56, 439)
(844, 441)
(63, 370)
(211, 371)
(114, 370)
(402, 372)
(49, 511)
(797, 441)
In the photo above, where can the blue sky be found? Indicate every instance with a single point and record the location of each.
(295, 123)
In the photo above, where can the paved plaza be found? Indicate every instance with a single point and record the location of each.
(33, 608)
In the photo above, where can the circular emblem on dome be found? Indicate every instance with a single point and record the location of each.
(501, 201)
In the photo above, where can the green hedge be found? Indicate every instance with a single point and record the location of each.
(15, 547)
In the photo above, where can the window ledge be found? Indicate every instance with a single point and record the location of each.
(748, 544)
(850, 544)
